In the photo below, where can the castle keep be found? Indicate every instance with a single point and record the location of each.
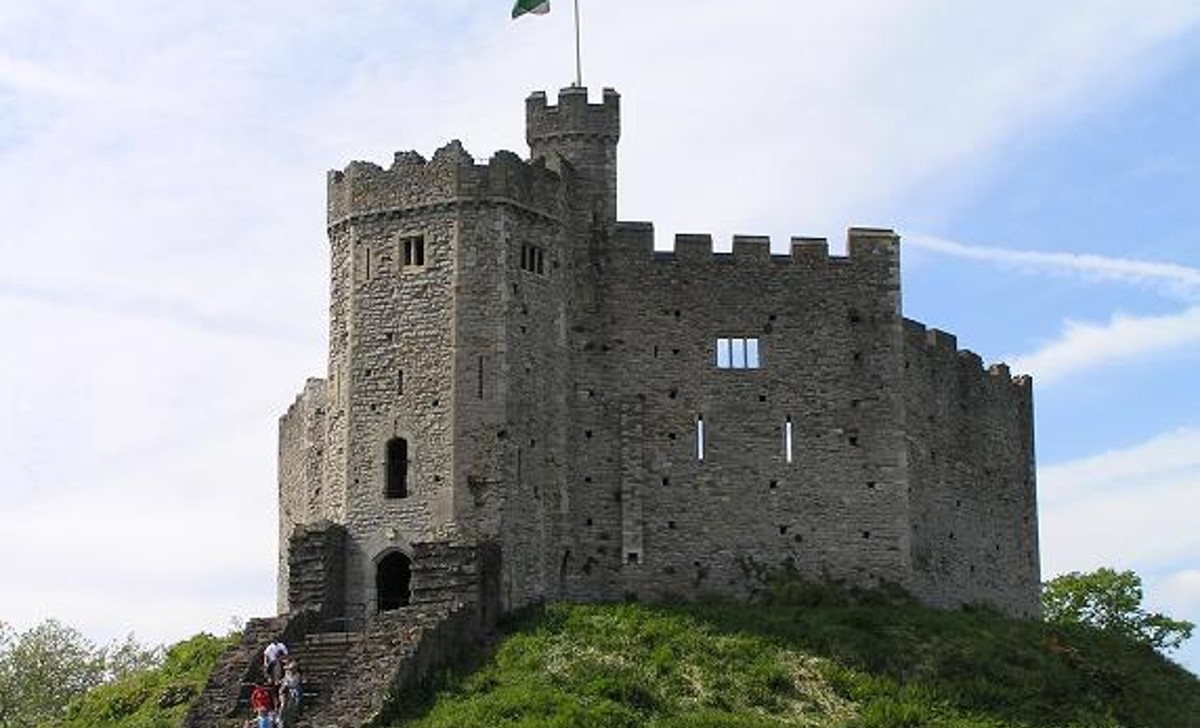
(510, 364)
(527, 401)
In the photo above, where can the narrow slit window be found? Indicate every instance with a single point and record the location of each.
(787, 439)
(699, 437)
(397, 468)
(738, 352)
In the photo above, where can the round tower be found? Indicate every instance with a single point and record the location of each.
(583, 135)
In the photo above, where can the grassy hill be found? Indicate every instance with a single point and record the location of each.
(851, 666)
(720, 665)
(155, 698)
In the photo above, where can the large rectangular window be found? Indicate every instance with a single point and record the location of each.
(738, 353)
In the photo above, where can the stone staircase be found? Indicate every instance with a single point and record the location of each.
(351, 679)
(323, 659)
(355, 677)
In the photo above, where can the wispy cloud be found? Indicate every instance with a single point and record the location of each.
(1171, 278)
(1084, 346)
(181, 313)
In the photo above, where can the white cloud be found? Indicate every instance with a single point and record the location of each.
(1132, 507)
(1082, 345)
(1169, 455)
(1182, 589)
(1122, 339)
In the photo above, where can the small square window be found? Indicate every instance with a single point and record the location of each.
(414, 250)
(533, 259)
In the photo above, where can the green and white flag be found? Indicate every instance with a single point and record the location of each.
(537, 7)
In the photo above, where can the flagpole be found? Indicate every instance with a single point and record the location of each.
(578, 62)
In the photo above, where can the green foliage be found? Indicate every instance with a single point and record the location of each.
(854, 665)
(1110, 601)
(154, 697)
(41, 669)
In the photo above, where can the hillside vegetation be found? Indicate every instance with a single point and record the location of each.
(850, 666)
(152, 698)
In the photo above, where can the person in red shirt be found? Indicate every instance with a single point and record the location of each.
(261, 699)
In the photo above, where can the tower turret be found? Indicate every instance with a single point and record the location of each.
(585, 136)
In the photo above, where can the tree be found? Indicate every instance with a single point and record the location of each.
(47, 666)
(1110, 601)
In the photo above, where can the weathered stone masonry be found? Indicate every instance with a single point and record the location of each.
(511, 365)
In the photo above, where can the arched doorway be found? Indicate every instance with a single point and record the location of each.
(392, 577)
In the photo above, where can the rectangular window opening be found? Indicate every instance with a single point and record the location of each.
(533, 259)
(396, 485)
(414, 250)
(699, 437)
(738, 352)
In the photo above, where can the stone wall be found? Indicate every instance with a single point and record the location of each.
(971, 465)
(652, 517)
(301, 471)
(317, 565)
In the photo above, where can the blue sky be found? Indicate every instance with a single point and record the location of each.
(163, 272)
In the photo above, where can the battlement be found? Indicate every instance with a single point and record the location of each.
(941, 346)
(573, 116)
(451, 176)
(864, 245)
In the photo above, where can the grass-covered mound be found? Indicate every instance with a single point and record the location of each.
(153, 698)
(860, 666)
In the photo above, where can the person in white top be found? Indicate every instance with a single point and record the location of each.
(273, 655)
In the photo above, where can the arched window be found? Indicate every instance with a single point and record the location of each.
(393, 576)
(397, 468)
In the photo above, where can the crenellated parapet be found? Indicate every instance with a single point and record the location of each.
(573, 116)
(364, 189)
(934, 348)
(864, 246)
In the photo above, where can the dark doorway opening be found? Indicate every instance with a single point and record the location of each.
(392, 579)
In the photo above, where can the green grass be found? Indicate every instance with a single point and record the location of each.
(851, 666)
(154, 698)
